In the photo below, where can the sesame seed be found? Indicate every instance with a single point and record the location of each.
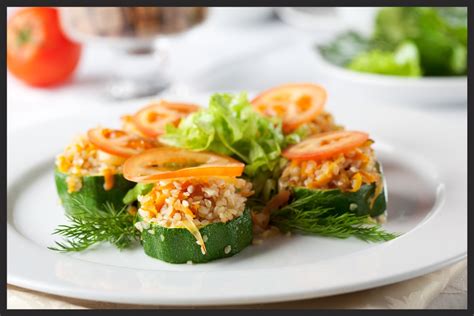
(143, 213)
(138, 225)
(227, 249)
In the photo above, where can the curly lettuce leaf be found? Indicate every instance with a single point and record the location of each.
(230, 126)
(404, 61)
(439, 33)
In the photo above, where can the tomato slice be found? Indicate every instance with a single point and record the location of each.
(152, 119)
(326, 145)
(118, 142)
(167, 163)
(294, 103)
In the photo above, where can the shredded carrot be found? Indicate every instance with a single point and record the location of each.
(356, 182)
(159, 203)
(108, 180)
(189, 212)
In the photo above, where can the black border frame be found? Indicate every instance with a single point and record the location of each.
(324, 3)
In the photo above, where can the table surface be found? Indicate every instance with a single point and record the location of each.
(213, 45)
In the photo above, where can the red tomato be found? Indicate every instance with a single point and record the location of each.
(117, 142)
(153, 119)
(294, 103)
(168, 163)
(38, 52)
(326, 145)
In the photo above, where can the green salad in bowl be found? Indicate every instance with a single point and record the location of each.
(405, 41)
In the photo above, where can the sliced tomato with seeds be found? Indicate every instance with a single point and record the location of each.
(118, 142)
(168, 163)
(326, 145)
(153, 119)
(294, 103)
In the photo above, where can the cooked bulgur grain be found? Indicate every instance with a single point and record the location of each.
(260, 235)
(204, 200)
(322, 123)
(346, 172)
(82, 158)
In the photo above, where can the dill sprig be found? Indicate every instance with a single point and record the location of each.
(90, 226)
(305, 216)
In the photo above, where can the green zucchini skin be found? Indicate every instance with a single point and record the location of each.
(178, 245)
(341, 201)
(92, 192)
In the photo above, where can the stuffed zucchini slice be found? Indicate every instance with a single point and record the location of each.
(332, 187)
(89, 171)
(195, 209)
(342, 167)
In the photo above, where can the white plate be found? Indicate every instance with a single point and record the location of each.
(424, 91)
(426, 171)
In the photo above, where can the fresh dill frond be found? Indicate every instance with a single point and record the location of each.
(89, 226)
(325, 221)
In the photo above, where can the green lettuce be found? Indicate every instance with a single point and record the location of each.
(404, 61)
(439, 33)
(345, 47)
(138, 189)
(230, 126)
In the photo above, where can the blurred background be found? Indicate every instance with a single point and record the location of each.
(65, 58)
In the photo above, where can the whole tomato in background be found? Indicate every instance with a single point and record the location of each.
(38, 52)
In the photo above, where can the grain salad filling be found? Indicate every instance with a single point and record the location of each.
(82, 158)
(322, 123)
(204, 200)
(193, 203)
(345, 171)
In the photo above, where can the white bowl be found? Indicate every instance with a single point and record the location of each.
(238, 16)
(424, 91)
